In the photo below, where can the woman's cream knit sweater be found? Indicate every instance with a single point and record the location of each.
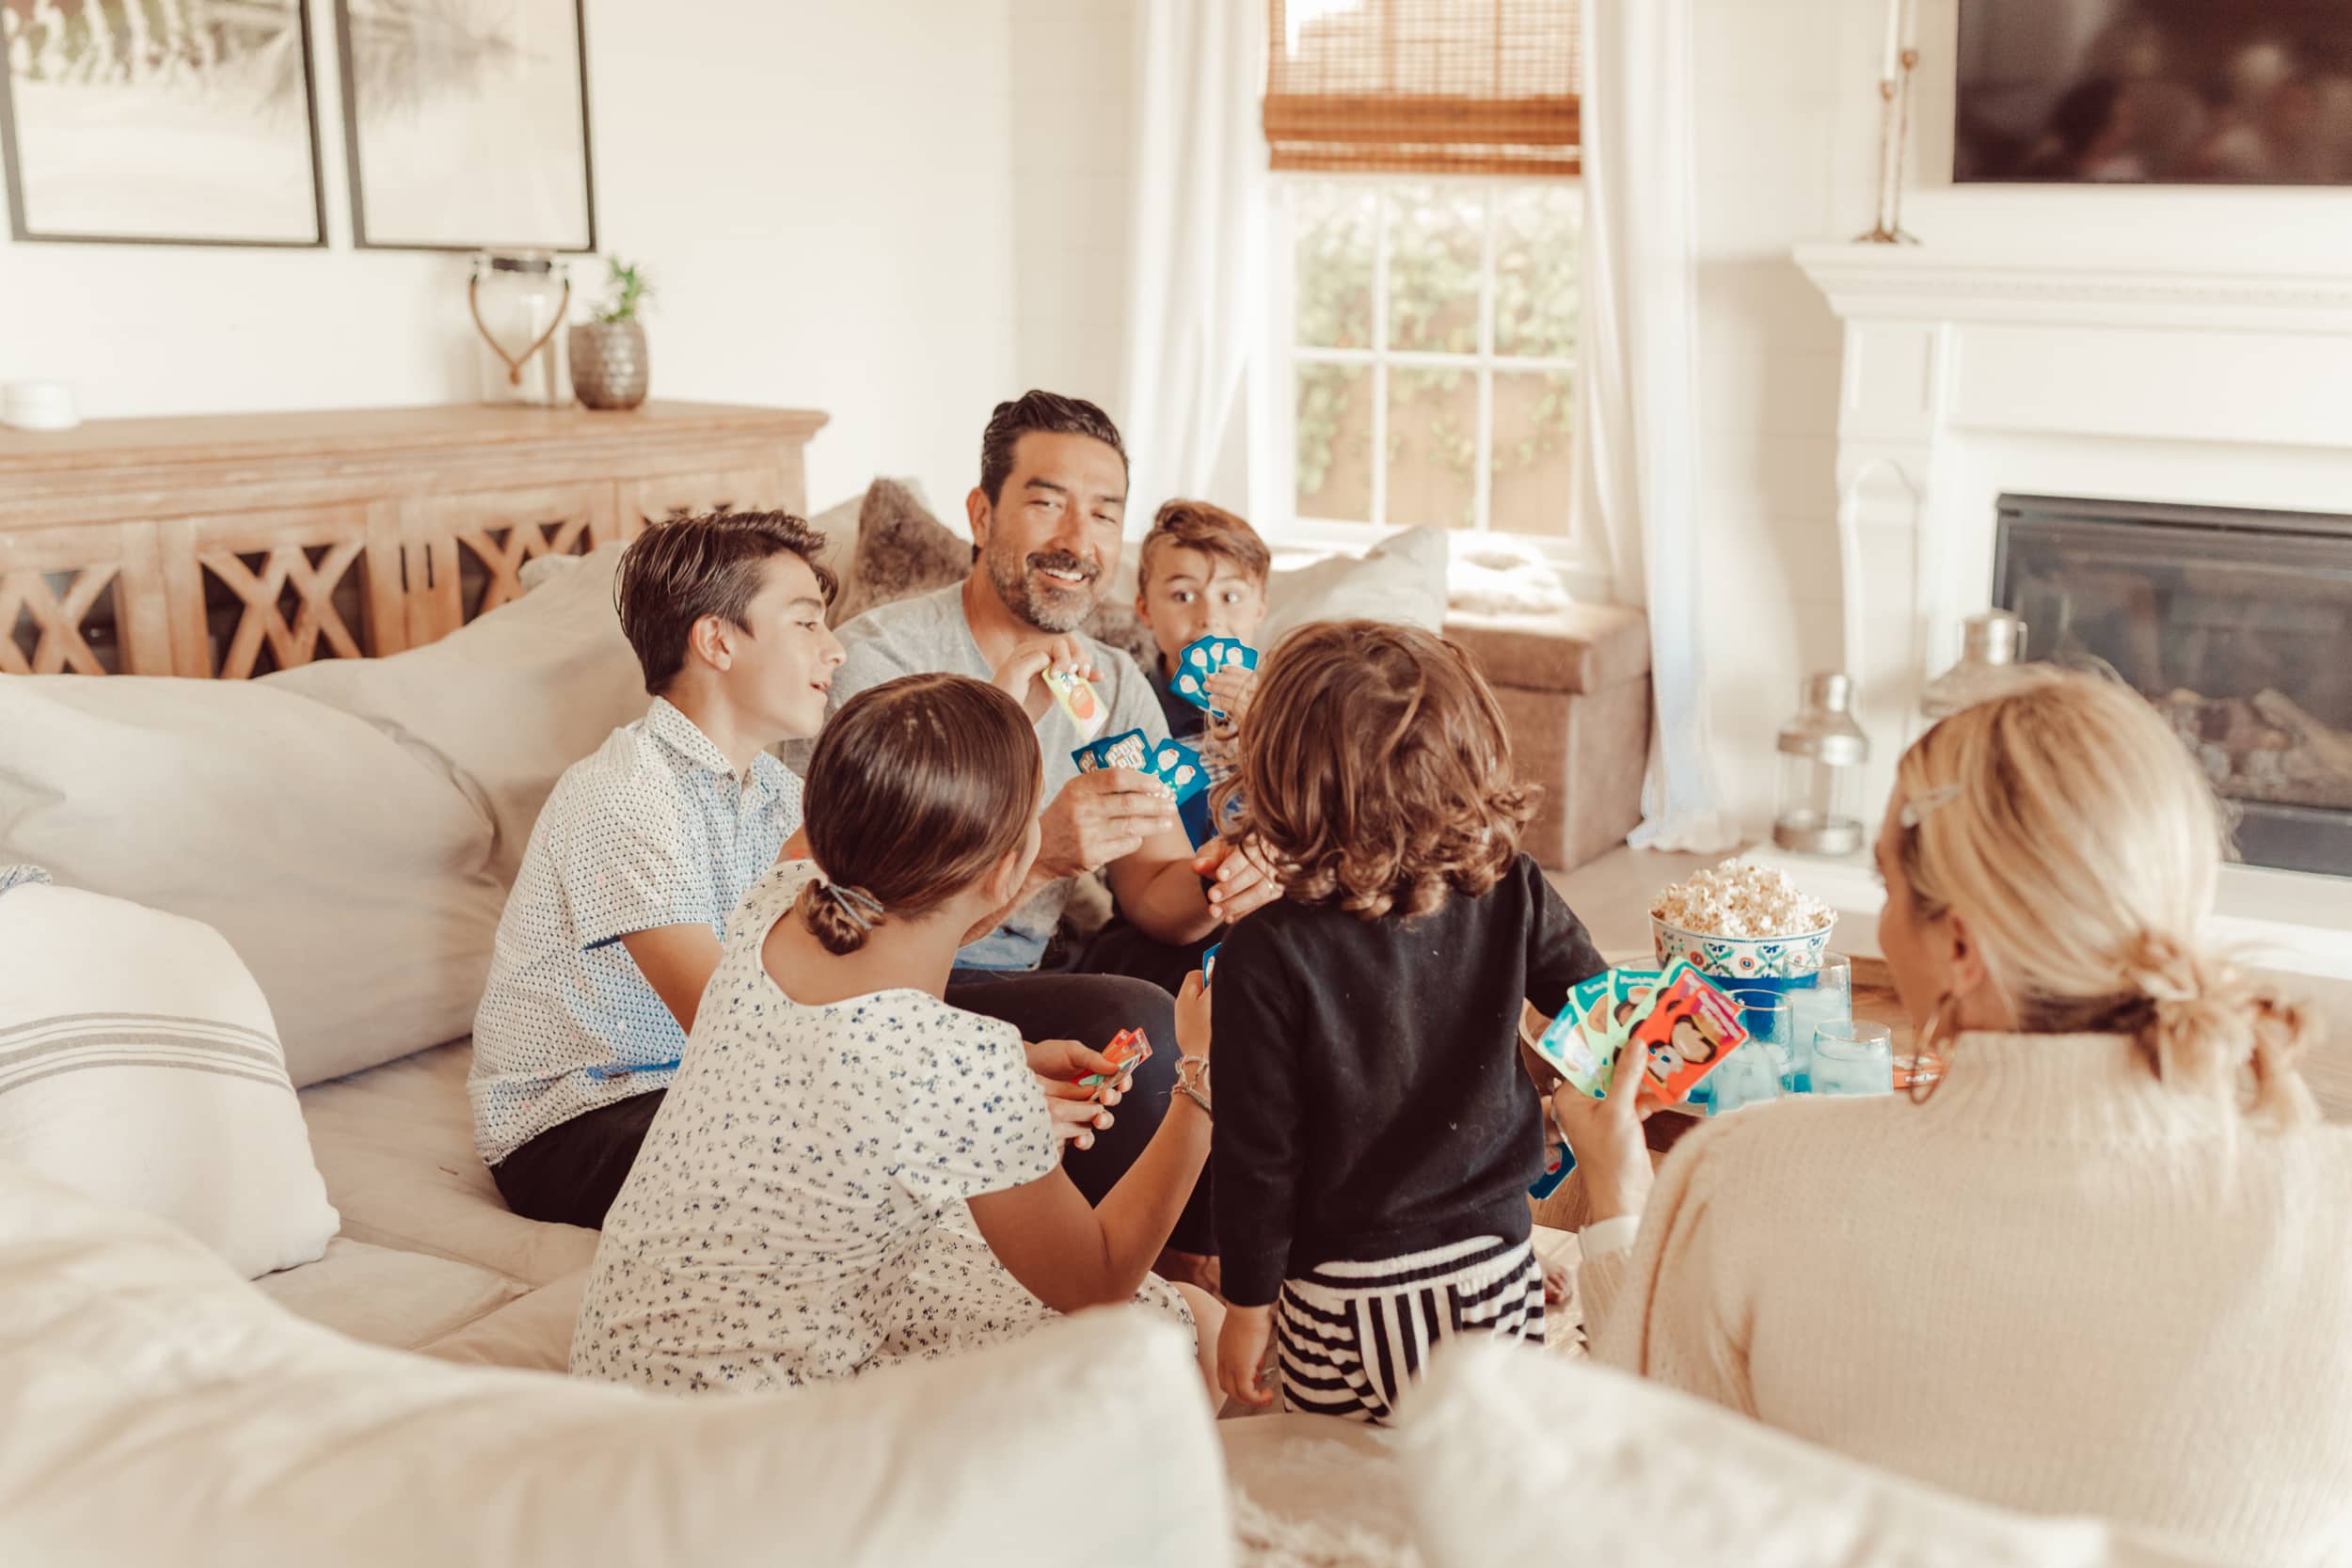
(2057, 1286)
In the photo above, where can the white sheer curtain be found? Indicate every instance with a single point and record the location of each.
(1197, 276)
(1637, 407)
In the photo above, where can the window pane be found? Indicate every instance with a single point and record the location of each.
(1535, 429)
(1433, 448)
(1334, 431)
(1437, 248)
(1535, 236)
(1332, 231)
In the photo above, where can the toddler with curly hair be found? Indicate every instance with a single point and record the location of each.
(1378, 1132)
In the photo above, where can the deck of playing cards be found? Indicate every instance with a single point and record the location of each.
(1078, 698)
(1128, 1049)
(1130, 750)
(1204, 657)
(1683, 1025)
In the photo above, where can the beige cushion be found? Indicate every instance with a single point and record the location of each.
(139, 1064)
(383, 1297)
(1510, 1453)
(397, 1147)
(506, 703)
(534, 1331)
(347, 870)
(1402, 579)
(1577, 647)
(162, 1410)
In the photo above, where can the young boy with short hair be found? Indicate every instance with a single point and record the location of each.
(1202, 572)
(641, 852)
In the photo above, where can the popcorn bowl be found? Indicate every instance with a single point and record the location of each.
(1766, 959)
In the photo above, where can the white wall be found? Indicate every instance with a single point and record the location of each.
(1780, 160)
(824, 191)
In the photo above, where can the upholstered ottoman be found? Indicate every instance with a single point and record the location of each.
(1574, 686)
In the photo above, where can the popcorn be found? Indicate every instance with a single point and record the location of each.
(1740, 899)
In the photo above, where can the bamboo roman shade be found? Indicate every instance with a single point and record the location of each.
(1412, 87)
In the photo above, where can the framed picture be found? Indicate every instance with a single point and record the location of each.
(161, 122)
(466, 124)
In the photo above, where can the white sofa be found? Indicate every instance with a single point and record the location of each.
(347, 828)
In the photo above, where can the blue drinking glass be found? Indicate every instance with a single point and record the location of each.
(1749, 1076)
(1823, 997)
(1854, 1057)
(1771, 1025)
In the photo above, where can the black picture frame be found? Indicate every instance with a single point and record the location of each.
(360, 239)
(20, 223)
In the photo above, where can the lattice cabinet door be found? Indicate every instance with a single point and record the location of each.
(263, 591)
(465, 553)
(744, 489)
(86, 600)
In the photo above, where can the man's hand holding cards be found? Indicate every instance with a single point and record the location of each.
(1053, 671)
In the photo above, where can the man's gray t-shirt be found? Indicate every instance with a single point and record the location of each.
(928, 633)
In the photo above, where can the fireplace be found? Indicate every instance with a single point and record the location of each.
(2235, 624)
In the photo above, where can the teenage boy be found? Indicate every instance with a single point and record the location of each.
(641, 852)
(1201, 573)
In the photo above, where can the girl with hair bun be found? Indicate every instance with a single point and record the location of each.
(796, 1213)
(2101, 1268)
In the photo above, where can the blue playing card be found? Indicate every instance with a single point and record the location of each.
(1204, 657)
(1130, 750)
(1179, 766)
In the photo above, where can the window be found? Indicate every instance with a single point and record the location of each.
(1427, 343)
(1424, 340)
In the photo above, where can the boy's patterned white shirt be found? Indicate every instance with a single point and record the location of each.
(652, 829)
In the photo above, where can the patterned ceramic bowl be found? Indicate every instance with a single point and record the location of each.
(1743, 957)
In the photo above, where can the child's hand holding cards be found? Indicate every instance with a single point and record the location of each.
(1200, 659)
(1129, 1050)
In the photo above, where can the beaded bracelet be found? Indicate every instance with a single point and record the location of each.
(1192, 1076)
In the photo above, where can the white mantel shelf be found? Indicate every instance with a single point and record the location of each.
(1917, 282)
(1974, 372)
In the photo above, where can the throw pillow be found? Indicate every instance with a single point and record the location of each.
(162, 1410)
(138, 1065)
(902, 550)
(347, 870)
(506, 703)
(1402, 578)
(1503, 1440)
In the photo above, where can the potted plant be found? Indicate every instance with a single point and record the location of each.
(608, 353)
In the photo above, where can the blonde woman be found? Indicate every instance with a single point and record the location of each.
(2105, 1265)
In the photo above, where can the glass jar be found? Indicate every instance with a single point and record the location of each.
(1992, 646)
(1818, 809)
(519, 300)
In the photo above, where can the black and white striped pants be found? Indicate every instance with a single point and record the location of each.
(1350, 1336)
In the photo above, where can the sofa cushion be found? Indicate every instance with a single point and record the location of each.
(506, 703)
(397, 1147)
(386, 1297)
(139, 1064)
(1401, 579)
(1576, 647)
(901, 551)
(348, 871)
(162, 1410)
(532, 1331)
(1509, 1453)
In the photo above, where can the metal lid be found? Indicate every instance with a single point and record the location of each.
(1824, 727)
(1995, 637)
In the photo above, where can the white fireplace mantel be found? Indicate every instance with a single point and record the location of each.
(1968, 375)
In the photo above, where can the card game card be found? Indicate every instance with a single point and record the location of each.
(1208, 965)
(1204, 657)
(1130, 750)
(1685, 1031)
(1583, 1059)
(1129, 1050)
(1628, 992)
(1179, 766)
(1079, 700)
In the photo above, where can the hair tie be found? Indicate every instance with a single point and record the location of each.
(860, 908)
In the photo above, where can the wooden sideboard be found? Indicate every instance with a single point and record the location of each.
(231, 545)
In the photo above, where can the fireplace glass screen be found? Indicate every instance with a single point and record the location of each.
(2236, 624)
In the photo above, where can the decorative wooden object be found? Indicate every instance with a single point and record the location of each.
(232, 546)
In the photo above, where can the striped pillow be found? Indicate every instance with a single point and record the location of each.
(139, 1064)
